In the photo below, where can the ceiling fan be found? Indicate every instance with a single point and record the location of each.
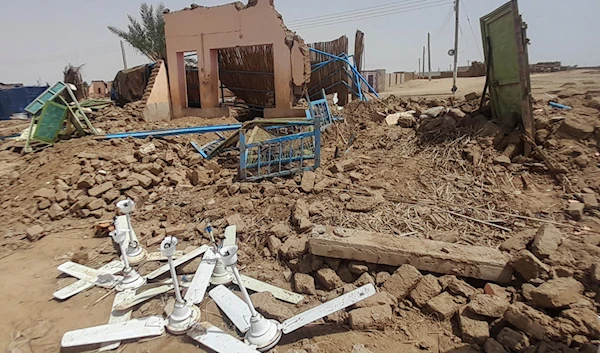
(261, 334)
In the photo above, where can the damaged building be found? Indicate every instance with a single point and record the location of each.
(246, 47)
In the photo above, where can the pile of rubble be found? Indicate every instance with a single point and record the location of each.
(101, 180)
(567, 143)
(545, 307)
(118, 119)
(438, 174)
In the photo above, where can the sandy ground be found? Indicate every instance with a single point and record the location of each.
(550, 83)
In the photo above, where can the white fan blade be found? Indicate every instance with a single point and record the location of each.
(197, 290)
(185, 258)
(132, 298)
(136, 328)
(277, 292)
(88, 274)
(217, 340)
(158, 256)
(325, 309)
(117, 316)
(230, 236)
(81, 285)
(235, 308)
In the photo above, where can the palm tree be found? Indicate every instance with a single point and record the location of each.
(147, 37)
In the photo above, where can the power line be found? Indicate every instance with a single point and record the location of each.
(319, 21)
(355, 11)
(479, 51)
(465, 40)
(445, 24)
(374, 15)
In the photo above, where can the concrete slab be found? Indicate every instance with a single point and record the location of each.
(426, 255)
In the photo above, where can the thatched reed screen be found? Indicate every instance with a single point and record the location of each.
(248, 72)
(331, 76)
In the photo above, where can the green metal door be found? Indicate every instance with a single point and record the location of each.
(501, 53)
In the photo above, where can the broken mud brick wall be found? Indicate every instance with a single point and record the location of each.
(129, 85)
(236, 31)
(157, 101)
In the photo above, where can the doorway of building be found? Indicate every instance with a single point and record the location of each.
(190, 60)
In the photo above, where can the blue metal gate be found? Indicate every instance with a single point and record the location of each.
(282, 155)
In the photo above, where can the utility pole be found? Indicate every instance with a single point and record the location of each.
(419, 70)
(124, 57)
(429, 53)
(456, 8)
(423, 61)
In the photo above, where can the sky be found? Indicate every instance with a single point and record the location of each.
(38, 38)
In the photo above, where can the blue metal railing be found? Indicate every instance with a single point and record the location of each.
(283, 155)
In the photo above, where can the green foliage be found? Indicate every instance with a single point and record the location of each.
(147, 36)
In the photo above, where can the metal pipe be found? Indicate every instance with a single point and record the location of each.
(351, 66)
(318, 66)
(558, 105)
(126, 265)
(175, 281)
(238, 279)
(172, 132)
(455, 73)
(316, 87)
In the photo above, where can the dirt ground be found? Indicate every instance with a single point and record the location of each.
(417, 183)
(541, 83)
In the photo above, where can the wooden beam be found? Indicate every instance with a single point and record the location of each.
(426, 255)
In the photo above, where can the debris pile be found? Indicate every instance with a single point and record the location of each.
(100, 179)
(444, 173)
(116, 119)
(549, 304)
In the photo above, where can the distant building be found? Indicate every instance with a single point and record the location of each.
(547, 67)
(4, 86)
(376, 78)
(397, 78)
(100, 88)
